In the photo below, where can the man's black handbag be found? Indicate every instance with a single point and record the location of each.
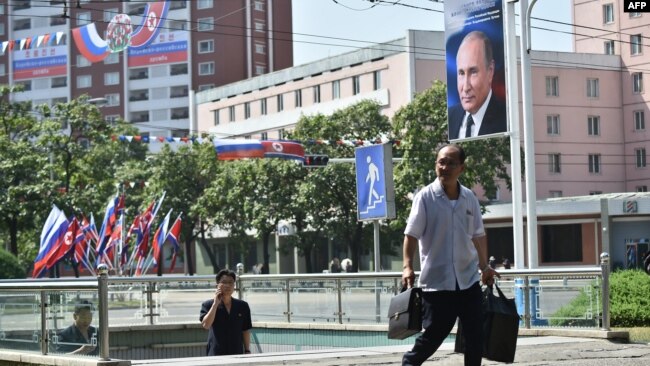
(405, 314)
(500, 327)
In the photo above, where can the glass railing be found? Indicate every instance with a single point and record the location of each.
(37, 315)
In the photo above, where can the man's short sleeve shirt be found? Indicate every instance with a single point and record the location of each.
(445, 232)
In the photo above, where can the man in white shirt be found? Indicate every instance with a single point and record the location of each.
(445, 223)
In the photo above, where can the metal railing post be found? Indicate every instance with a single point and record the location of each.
(340, 300)
(527, 302)
(604, 265)
(102, 289)
(44, 337)
(288, 300)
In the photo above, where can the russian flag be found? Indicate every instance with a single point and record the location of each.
(160, 237)
(53, 231)
(283, 149)
(152, 19)
(89, 43)
(64, 246)
(228, 149)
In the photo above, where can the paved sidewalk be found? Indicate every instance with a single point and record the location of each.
(543, 350)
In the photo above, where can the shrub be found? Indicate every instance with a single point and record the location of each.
(10, 266)
(629, 298)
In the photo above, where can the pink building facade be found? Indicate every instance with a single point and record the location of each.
(585, 141)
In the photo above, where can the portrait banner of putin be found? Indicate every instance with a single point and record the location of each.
(476, 91)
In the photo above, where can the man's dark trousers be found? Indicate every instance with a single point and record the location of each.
(441, 308)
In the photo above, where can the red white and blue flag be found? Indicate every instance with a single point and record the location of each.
(283, 149)
(231, 149)
(64, 246)
(113, 210)
(152, 19)
(173, 236)
(89, 43)
(53, 232)
(160, 237)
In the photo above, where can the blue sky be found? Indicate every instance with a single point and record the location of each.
(356, 23)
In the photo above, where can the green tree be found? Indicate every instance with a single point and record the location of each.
(10, 266)
(329, 194)
(23, 182)
(184, 175)
(421, 127)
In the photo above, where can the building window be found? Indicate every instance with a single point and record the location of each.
(593, 125)
(258, 5)
(280, 102)
(84, 81)
(356, 85)
(247, 110)
(562, 243)
(316, 94)
(111, 78)
(206, 68)
(263, 109)
(637, 82)
(553, 124)
(231, 113)
(260, 26)
(109, 14)
(260, 69)
(336, 89)
(22, 24)
(555, 194)
(595, 193)
(608, 13)
(281, 134)
(205, 24)
(594, 163)
(639, 120)
(2, 29)
(609, 47)
(376, 80)
(260, 48)
(635, 44)
(641, 188)
(298, 97)
(217, 120)
(264, 136)
(552, 86)
(112, 58)
(204, 87)
(206, 46)
(83, 18)
(204, 4)
(554, 163)
(112, 100)
(178, 69)
(635, 14)
(82, 61)
(593, 90)
(3, 69)
(640, 157)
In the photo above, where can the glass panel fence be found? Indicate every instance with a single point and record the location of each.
(20, 321)
(72, 323)
(267, 299)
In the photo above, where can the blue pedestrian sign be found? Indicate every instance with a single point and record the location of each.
(375, 186)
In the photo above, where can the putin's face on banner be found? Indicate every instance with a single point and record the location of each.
(474, 73)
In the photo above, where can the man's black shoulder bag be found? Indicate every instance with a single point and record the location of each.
(405, 313)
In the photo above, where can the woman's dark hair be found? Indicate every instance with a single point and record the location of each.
(226, 272)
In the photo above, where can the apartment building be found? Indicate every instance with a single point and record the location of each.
(603, 27)
(580, 140)
(202, 44)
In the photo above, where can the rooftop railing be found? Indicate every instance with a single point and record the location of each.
(34, 312)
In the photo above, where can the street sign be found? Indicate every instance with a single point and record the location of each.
(375, 186)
